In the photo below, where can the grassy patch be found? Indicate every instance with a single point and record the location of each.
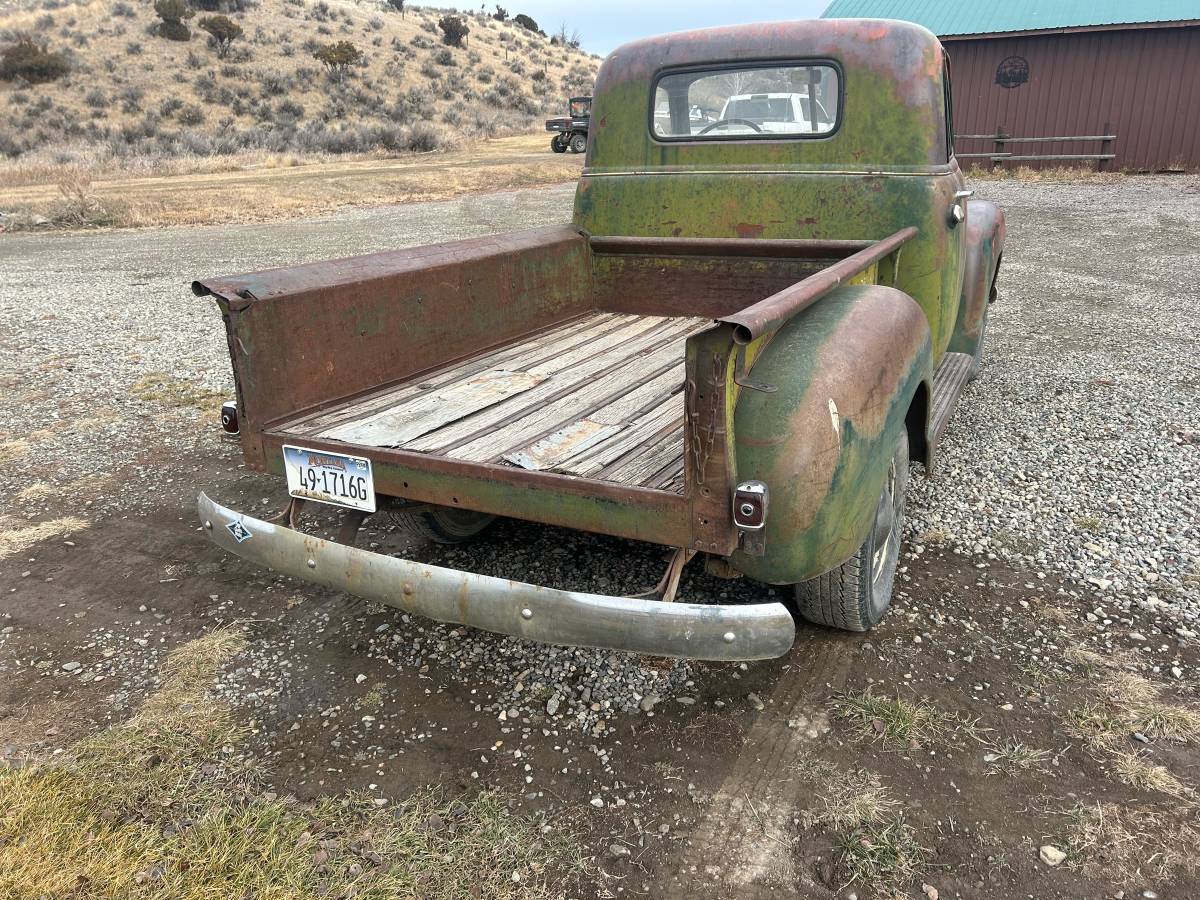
(1122, 843)
(11, 451)
(168, 805)
(1138, 772)
(898, 723)
(160, 387)
(1013, 756)
(877, 849)
(17, 538)
(1123, 703)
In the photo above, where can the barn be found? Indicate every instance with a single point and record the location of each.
(1110, 83)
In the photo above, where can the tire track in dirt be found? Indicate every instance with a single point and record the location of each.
(742, 846)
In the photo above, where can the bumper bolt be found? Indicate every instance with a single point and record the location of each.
(527, 613)
(728, 637)
(208, 524)
(312, 563)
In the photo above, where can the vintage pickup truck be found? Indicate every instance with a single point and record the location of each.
(735, 349)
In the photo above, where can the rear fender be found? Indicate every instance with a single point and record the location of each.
(984, 243)
(846, 372)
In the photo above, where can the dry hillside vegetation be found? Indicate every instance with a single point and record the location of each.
(284, 83)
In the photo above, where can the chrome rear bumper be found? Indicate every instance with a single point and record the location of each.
(689, 630)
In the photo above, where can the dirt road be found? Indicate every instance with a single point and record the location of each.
(1033, 687)
(277, 188)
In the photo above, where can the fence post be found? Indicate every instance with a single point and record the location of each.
(1000, 136)
(1102, 164)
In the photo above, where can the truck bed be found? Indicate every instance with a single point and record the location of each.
(599, 396)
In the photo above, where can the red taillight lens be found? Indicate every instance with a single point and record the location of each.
(229, 417)
(750, 505)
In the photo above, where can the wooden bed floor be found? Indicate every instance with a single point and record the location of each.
(600, 397)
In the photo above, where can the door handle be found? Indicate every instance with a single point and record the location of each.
(963, 195)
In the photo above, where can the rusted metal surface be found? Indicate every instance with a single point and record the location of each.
(847, 369)
(727, 247)
(310, 335)
(697, 631)
(768, 315)
(809, 398)
(1136, 83)
(603, 507)
(983, 243)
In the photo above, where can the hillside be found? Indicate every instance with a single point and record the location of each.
(132, 94)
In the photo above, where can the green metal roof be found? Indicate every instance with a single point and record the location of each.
(945, 17)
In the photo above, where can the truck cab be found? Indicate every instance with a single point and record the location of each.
(771, 295)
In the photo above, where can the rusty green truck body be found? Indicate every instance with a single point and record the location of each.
(744, 311)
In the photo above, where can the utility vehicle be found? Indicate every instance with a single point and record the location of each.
(735, 350)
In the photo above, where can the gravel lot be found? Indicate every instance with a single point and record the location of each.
(1071, 469)
(1076, 452)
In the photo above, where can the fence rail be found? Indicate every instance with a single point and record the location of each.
(1001, 153)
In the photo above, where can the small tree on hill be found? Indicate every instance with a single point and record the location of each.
(501, 14)
(398, 6)
(527, 23)
(222, 32)
(32, 60)
(338, 57)
(454, 30)
(173, 13)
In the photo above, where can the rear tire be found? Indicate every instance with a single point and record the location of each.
(443, 524)
(855, 595)
(578, 142)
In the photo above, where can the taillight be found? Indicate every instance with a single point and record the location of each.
(229, 417)
(750, 505)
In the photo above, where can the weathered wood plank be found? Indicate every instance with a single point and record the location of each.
(549, 451)
(591, 393)
(433, 409)
(532, 407)
(516, 356)
(668, 411)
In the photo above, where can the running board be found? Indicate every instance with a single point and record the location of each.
(952, 375)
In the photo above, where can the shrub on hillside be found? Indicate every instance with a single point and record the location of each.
(444, 58)
(338, 57)
(191, 115)
(527, 23)
(454, 30)
(30, 59)
(501, 14)
(222, 32)
(173, 14)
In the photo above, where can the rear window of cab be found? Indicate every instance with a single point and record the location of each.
(770, 101)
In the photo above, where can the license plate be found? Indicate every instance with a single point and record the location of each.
(329, 478)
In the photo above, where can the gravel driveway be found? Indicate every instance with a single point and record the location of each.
(1078, 451)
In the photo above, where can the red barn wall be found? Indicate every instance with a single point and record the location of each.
(1143, 83)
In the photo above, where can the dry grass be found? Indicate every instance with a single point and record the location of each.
(1138, 772)
(1078, 174)
(1123, 703)
(11, 451)
(261, 194)
(877, 849)
(168, 805)
(16, 537)
(1014, 756)
(898, 723)
(165, 389)
(1121, 844)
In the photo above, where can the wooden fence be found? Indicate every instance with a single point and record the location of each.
(1001, 152)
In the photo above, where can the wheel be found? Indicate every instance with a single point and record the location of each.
(578, 142)
(558, 143)
(856, 594)
(443, 524)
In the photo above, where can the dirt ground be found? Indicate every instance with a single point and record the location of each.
(1002, 708)
(275, 187)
